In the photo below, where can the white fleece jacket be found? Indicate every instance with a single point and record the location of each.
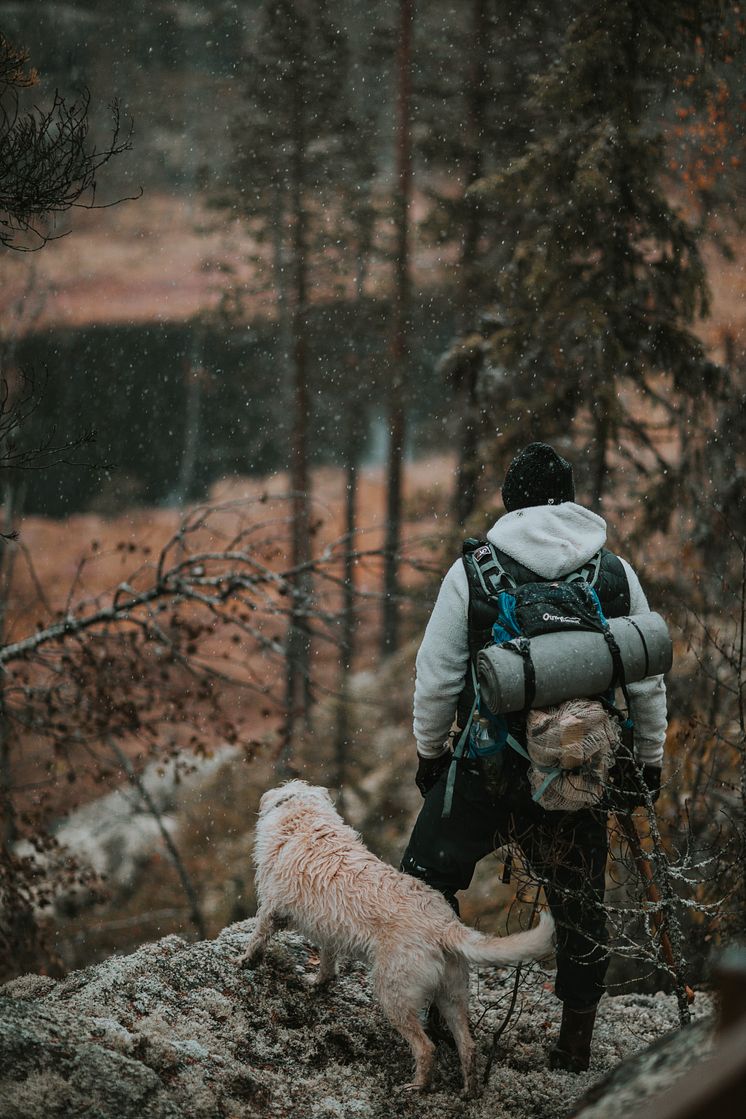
(551, 540)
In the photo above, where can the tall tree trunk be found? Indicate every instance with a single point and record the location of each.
(193, 371)
(297, 683)
(195, 910)
(8, 835)
(602, 425)
(465, 496)
(620, 259)
(19, 933)
(280, 268)
(347, 640)
(400, 332)
(192, 415)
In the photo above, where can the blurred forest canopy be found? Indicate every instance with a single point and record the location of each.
(482, 96)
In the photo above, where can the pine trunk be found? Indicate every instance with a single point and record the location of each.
(20, 935)
(297, 693)
(465, 496)
(192, 417)
(12, 509)
(347, 638)
(280, 268)
(399, 333)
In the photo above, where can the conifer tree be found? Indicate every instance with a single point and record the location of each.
(472, 116)
(286, 141)
(400, 329)
(605, 277)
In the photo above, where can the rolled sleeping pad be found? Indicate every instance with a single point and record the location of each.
(570, 664)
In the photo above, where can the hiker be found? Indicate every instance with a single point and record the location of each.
(544, 535)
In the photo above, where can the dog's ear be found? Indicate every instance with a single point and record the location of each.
(273, 798)
(282, 800)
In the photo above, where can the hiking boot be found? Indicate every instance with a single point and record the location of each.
(572, 1053)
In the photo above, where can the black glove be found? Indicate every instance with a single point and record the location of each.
(652, 777)
(625, 794)
(429, 770)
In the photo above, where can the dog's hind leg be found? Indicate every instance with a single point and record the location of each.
(452, 1000)
(267, 920)
(401, 1005)
(423, 1050)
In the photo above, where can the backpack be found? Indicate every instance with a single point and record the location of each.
(574, 743)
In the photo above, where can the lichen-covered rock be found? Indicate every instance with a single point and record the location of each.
(176, 1030)
(647, 1073)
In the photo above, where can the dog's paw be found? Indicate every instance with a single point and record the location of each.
(321, 983)
(414, 1086)
(471, 1091)
(247, 959)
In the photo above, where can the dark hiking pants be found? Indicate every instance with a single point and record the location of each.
(566, 852)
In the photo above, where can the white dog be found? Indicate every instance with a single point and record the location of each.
(314, 870)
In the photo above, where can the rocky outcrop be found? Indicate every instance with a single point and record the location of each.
(177, 1030)
(644, 1075)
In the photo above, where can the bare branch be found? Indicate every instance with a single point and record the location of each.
(47, 163)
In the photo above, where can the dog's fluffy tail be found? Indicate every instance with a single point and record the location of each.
(501, 951)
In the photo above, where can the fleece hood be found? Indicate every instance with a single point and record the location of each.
(551, 540)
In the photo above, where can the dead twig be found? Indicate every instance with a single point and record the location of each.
(195, 913)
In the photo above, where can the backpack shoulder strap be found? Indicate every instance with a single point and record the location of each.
(588, 573)
(483, 568)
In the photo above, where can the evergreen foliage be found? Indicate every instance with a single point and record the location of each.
(289, 130)
(295, 82)
(472, 116)
(605, 277)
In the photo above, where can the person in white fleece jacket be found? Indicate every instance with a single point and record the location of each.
(551, 540)
(544, 535)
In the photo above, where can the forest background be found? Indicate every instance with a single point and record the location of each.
(348, 261)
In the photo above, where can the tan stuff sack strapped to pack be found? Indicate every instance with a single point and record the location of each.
(578, 737)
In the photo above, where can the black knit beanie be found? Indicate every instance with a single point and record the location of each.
(537, 476)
